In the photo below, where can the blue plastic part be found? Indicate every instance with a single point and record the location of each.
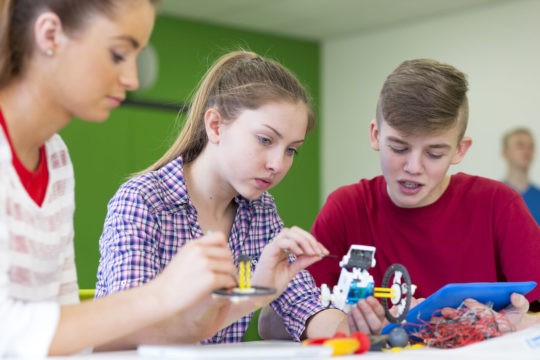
(357, 292)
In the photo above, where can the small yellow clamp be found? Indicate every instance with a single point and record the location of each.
(244, 272)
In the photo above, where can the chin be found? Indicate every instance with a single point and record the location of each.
(406, 202)
(253, 195)
(97, 118)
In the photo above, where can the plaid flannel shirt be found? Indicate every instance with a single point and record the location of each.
(151, 217)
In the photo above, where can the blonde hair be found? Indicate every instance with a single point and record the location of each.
(236, 81)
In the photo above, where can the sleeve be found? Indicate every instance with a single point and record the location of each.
(518, 240)
(298, 303)
(329, 229)
(128, 244)
(26, 329)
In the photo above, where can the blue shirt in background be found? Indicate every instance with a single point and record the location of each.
(532, 199)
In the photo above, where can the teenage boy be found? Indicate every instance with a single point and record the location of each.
(443, 228)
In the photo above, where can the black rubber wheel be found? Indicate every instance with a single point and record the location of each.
(397, 277)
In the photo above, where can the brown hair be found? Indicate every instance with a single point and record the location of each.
(236, 81)
(17, 18)
(423, 96)
(510, 133)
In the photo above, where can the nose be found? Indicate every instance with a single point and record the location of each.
(413, 164)
(276, 162)
(129, 77)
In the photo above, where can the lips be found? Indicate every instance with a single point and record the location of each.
(116, 100)
(263, 183)
(409, 187)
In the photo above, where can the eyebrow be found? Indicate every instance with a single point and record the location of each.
(433, 146)
(278, 134)
(130, 40)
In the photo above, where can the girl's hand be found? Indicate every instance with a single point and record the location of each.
(274, 270)
(200, 267)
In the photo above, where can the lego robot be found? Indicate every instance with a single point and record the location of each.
(355, 283)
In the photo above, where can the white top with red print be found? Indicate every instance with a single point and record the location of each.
(37, 268)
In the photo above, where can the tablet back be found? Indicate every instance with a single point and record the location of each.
(496, 294)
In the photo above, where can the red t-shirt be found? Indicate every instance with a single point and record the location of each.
(479, 230)
(35, 182)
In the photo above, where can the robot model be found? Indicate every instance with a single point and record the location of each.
(355, 283)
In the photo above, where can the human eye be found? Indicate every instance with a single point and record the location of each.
(117, 57)
(435, 155)
(397, 149)
(263, 140)
(292, 151)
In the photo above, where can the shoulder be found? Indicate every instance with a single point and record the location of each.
(463, 181)
(160, 189)
(359, 190)
(56, 148)
(477, 188)
(57, 152)
(141, 192)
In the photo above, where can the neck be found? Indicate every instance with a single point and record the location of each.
(30, 118)
(518, 179)
(213, 198)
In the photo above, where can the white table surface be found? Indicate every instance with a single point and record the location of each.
(524, 344)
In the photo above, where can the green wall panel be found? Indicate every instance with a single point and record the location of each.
(133, 137)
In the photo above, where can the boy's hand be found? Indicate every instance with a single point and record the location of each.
(516, 311)
(511, 318)
(367, 316)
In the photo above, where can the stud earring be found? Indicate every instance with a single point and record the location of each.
(49, 52)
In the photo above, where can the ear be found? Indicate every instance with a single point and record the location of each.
(47, 31)
(374, 135)
(462, 149)
(212, 123)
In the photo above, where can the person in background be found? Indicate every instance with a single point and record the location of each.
(59, 60)
(518, 151)
(247, 122)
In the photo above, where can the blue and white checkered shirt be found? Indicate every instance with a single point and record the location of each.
(151, 217)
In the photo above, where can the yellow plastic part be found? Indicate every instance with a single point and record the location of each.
(343, 346)
(86, 294)
(244, 275)
(380, 292)
(383, 295)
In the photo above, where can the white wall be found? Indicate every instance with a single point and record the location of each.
(498, 47)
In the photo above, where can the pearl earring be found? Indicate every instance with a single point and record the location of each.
(49, 52)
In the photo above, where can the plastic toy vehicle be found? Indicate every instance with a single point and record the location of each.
(355, 283)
